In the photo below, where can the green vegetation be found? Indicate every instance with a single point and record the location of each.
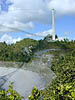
(63, 65)
(64, 45)
(10, 94)
(36, 94)
(20, 52)
(63, 86)
(23, 51)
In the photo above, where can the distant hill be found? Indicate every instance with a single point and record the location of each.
(24, 49)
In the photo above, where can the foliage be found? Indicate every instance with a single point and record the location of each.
(63, 86)
(36, 94)
(60, 92)
(10, 94)
(16, 52)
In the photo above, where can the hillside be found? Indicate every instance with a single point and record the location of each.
(62, 86)
(23, 50)
(19, 51)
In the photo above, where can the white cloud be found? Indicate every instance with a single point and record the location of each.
(40, 34)
(63, 7)
(45, 33)
(61, 38)
(15, 27)
(8, 39)
(23, 13)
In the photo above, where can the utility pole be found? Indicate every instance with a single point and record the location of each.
(53, 24)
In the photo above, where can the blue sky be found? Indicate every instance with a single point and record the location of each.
(35, 17)
(65, 27)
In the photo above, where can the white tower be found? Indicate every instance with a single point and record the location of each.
(0, 6)
(53, 24)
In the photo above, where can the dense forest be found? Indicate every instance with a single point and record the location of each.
(24, 50)
(21, 51)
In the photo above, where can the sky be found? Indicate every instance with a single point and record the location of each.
(21, 19)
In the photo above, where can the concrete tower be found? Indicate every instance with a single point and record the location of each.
(53, 24)
(0, 6)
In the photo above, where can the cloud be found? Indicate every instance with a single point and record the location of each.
(40, 34)
(15, 27)
(45, 33)
(8, 39)
(62, 38)
(63, 7)
(22, 14)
